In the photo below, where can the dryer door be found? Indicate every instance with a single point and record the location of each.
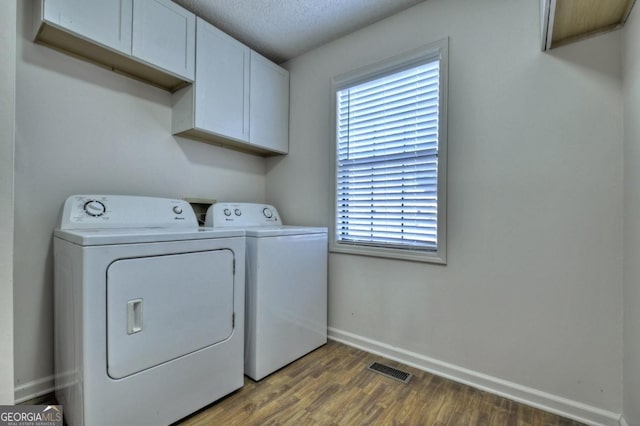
(164, 307)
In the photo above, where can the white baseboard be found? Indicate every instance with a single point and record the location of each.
(526, 395)
(34, 389)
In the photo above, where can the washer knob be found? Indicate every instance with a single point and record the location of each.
(237, 212)
(227, 212)
(267, 212)
(94, 208)
(177, 209)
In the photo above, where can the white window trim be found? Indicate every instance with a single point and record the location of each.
(439, 49)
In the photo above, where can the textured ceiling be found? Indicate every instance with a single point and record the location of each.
(283, 29)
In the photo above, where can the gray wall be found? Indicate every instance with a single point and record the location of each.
(83, 129)
(631, 69)
(532, 291)
(7, 119)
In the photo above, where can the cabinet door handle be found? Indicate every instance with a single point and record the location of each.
(134, 316)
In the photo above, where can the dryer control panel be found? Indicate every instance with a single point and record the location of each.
(123, 211)
(241, 215)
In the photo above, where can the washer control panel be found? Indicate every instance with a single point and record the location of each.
(242, 215)
(123, 211)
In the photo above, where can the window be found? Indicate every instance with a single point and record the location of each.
(390, 170)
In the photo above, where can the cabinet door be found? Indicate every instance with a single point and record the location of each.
(222, 86)
(164, 36)
(107, 22)
(269, 111)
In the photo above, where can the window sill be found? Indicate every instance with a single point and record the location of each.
(389, 253)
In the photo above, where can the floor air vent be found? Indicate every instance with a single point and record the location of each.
(393, 373)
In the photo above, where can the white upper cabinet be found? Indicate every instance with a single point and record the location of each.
(269, 105)
(151, 40)
(222, 88)
(105, 22)
(164, 36)
(239, 99)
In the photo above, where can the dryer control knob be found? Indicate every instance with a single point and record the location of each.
(177, 209)
(227, 212)
(94, 208)
(267, 212)
(237, 212)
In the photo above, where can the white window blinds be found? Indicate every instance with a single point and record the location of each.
(387, 160)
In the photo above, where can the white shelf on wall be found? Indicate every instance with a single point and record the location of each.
(567, 21)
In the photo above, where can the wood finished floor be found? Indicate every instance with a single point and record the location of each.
(331, 386)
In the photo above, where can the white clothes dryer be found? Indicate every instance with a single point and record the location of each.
(149, 311)
(286, 285)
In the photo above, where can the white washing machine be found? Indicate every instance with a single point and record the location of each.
(149, 311)
(286, 285)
